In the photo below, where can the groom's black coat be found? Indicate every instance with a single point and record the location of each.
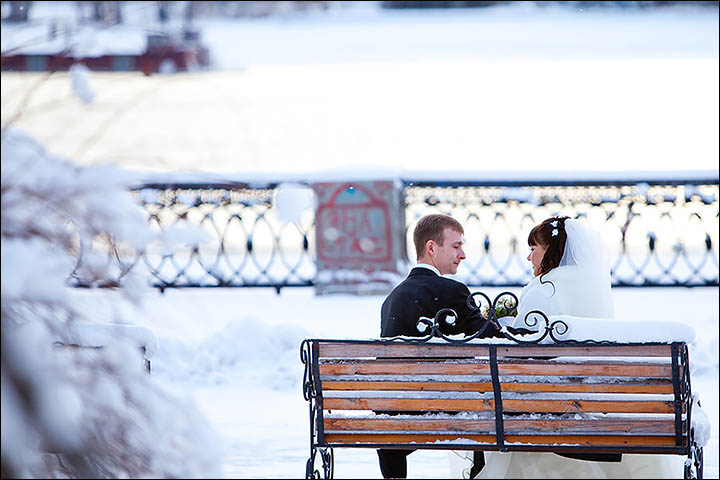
(422, 294)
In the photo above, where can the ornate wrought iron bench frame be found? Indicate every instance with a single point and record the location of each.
(525, 354)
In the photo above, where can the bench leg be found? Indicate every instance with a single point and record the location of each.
(328, 463)
(695, 459)
(310, 471)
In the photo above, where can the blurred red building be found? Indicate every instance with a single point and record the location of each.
(162, 52)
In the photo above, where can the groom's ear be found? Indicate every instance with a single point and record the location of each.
(430, 246)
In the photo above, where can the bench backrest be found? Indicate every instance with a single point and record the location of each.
(569, 397)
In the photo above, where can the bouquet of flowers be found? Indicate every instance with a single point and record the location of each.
(506, 307)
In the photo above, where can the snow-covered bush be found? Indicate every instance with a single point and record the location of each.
(78, 412)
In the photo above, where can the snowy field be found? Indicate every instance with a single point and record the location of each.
(235, 353)
(477, 91)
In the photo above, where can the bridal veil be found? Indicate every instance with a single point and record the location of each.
(579, 285)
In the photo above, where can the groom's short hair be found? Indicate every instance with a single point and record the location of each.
(432, 227)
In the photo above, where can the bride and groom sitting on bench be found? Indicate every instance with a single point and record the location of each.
(571, 277)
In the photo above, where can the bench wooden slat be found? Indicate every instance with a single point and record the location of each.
(350, 438)
(610, 369)
(594, 406)
(588, 369)
(587, 351)
(409, 386)
(409, 404)
(358, 350)
(630, 387)
(510, 405)
(326, 350)
(624, 387)
(549, 440)
(384, 368)
(633, 426)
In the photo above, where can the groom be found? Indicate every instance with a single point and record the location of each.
(439, 246)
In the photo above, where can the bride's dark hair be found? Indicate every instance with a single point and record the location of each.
(542, 234)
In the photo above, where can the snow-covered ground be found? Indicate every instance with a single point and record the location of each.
(235, 353)
(517, 89)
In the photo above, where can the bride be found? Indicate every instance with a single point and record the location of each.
(571, 271)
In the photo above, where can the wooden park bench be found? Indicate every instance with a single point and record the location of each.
(497, 394)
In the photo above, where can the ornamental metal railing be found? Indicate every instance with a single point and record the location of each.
(661, 234)
(242, 242)
(658, 233)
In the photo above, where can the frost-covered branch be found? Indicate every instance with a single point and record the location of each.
(76, 399)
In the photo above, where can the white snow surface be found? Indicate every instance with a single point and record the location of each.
(80, 77)
(235, 353)
(291, 201)
(517, 91)
(101, 334)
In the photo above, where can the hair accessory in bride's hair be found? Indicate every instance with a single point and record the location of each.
(554, 224)
(554, 232)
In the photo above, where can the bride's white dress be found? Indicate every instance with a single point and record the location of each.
(580, 287)
(566, 290)
(549, 465)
